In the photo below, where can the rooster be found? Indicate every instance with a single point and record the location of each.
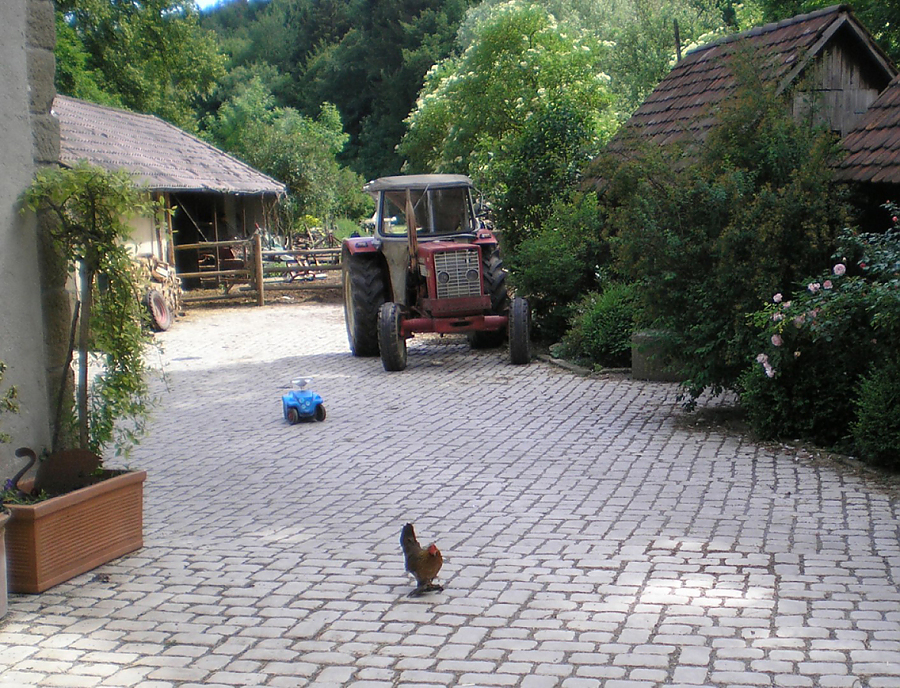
(424, 564)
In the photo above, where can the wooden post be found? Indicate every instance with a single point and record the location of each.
(258, 269)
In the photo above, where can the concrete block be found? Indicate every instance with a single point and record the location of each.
(41, 27)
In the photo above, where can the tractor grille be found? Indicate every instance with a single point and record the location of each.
(457, 274)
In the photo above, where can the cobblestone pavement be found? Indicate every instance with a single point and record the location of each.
(592, 535)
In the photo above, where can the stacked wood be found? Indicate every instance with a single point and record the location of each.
(159, 276)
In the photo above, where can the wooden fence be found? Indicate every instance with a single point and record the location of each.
(220, 264)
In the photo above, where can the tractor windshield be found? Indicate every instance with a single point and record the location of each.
(430, 211)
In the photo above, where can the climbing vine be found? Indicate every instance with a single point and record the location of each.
(8, 401)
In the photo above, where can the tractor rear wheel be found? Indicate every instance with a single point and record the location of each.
(519, 332)
(390, 340)
(363, 296)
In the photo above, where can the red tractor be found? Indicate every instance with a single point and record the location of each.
(431, 266)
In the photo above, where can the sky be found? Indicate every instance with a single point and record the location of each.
(203, 4)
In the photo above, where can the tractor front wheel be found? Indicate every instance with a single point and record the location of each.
(519, 332)
(363, 296)
(390, 341)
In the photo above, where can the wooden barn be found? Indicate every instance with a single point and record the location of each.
(825, 57)
(215, 197)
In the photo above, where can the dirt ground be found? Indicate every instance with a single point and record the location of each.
(327, 290)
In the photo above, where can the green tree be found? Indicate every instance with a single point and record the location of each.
(375, 71)
(709, 241)
(150, 56)
(520, 110)
(640, 35)
(368, 57)
(880, 17)
(297, 150)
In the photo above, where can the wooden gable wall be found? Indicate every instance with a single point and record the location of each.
(840, 87)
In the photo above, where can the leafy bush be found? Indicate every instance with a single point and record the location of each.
(810, 398)
(833, 340)
(600, 332)
(706, 239)
(876, 431)
(558, 265)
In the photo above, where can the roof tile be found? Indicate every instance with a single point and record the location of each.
(160, 155)
(689, 97)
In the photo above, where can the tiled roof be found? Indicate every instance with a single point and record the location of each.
(683, 105)
(873, 147)
(158, 153)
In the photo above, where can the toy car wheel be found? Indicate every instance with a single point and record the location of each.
(519, 332)
(320, 412)
(293, 416)
(391, 342)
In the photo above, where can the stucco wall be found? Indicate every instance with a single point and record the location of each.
(30, 283)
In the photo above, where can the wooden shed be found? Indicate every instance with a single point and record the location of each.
(215, 197)
(826, 57)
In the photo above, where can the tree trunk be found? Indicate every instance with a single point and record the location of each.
(86, 276)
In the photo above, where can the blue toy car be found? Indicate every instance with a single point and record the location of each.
(302, 404)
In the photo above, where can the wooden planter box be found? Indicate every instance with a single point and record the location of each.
(52, 541)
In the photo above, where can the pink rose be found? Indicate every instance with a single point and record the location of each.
(813, 287)
(777, 340)
(777, 298)
(827, 284)
(839, 269)
(762, 358)
(777, 317)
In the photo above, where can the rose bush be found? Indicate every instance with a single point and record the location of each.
(819, 373)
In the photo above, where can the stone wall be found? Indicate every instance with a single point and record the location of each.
(34, 306)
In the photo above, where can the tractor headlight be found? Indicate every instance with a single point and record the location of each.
(472, 275)
(443, 277)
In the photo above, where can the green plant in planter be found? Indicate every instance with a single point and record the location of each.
(89, 208)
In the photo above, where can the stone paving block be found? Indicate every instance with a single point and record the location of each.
(619, 542)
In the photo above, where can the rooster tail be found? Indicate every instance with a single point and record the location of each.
(408, 537)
